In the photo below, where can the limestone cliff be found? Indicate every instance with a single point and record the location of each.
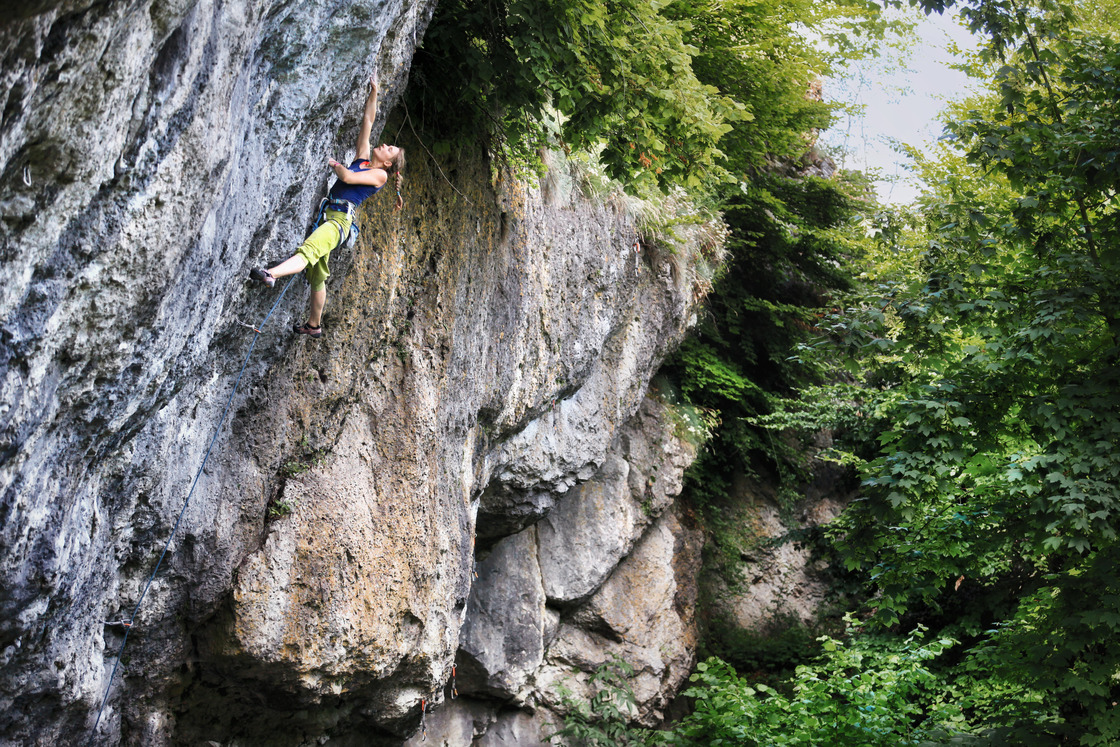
(487, 349)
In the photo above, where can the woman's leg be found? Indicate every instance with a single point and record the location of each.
(315, 311)
(320, 243)
(289, 266)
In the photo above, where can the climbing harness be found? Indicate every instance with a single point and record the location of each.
(342, 206)
(131, 621)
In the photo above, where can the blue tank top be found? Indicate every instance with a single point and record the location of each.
(355, 193)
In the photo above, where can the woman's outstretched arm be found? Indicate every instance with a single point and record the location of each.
(368, 115)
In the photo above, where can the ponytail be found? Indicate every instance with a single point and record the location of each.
(397, 166)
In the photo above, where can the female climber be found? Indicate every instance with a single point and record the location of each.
(359, 181)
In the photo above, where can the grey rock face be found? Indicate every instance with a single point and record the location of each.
(566, 445)
(583, 538)
(484, 349)
(785, 581)
(466, 721)
(623, 567)
(596, 525)
(644, 614)
(148, 153)
(502, 639)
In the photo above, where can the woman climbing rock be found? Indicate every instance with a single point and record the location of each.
(359, 181)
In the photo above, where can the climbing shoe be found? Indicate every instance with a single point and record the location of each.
(262, 276)
(307, 329)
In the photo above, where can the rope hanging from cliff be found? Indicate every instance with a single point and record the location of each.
(408, 120)
(130, 622)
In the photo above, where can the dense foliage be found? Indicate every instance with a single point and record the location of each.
(987, 342)
(864, 695)
(875, 692)
(785, 253)
(984, 415)
(692, 92)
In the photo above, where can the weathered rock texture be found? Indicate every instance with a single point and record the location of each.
(609, 574)
(485, 348)
(785, 581)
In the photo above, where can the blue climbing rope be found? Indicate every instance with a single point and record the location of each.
(128, 623)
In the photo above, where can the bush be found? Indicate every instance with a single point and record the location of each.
(866, 693)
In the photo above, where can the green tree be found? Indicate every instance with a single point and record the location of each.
(993, 503)
(685, 92)
(786, 247)
(583, 71)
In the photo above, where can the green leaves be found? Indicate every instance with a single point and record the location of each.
(618, 77)
(863, 693)
(999, 458)
(786, 244)
(693, 92)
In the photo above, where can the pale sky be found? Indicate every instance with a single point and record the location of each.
(901, 99)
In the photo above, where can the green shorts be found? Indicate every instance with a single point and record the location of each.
(319, 245)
